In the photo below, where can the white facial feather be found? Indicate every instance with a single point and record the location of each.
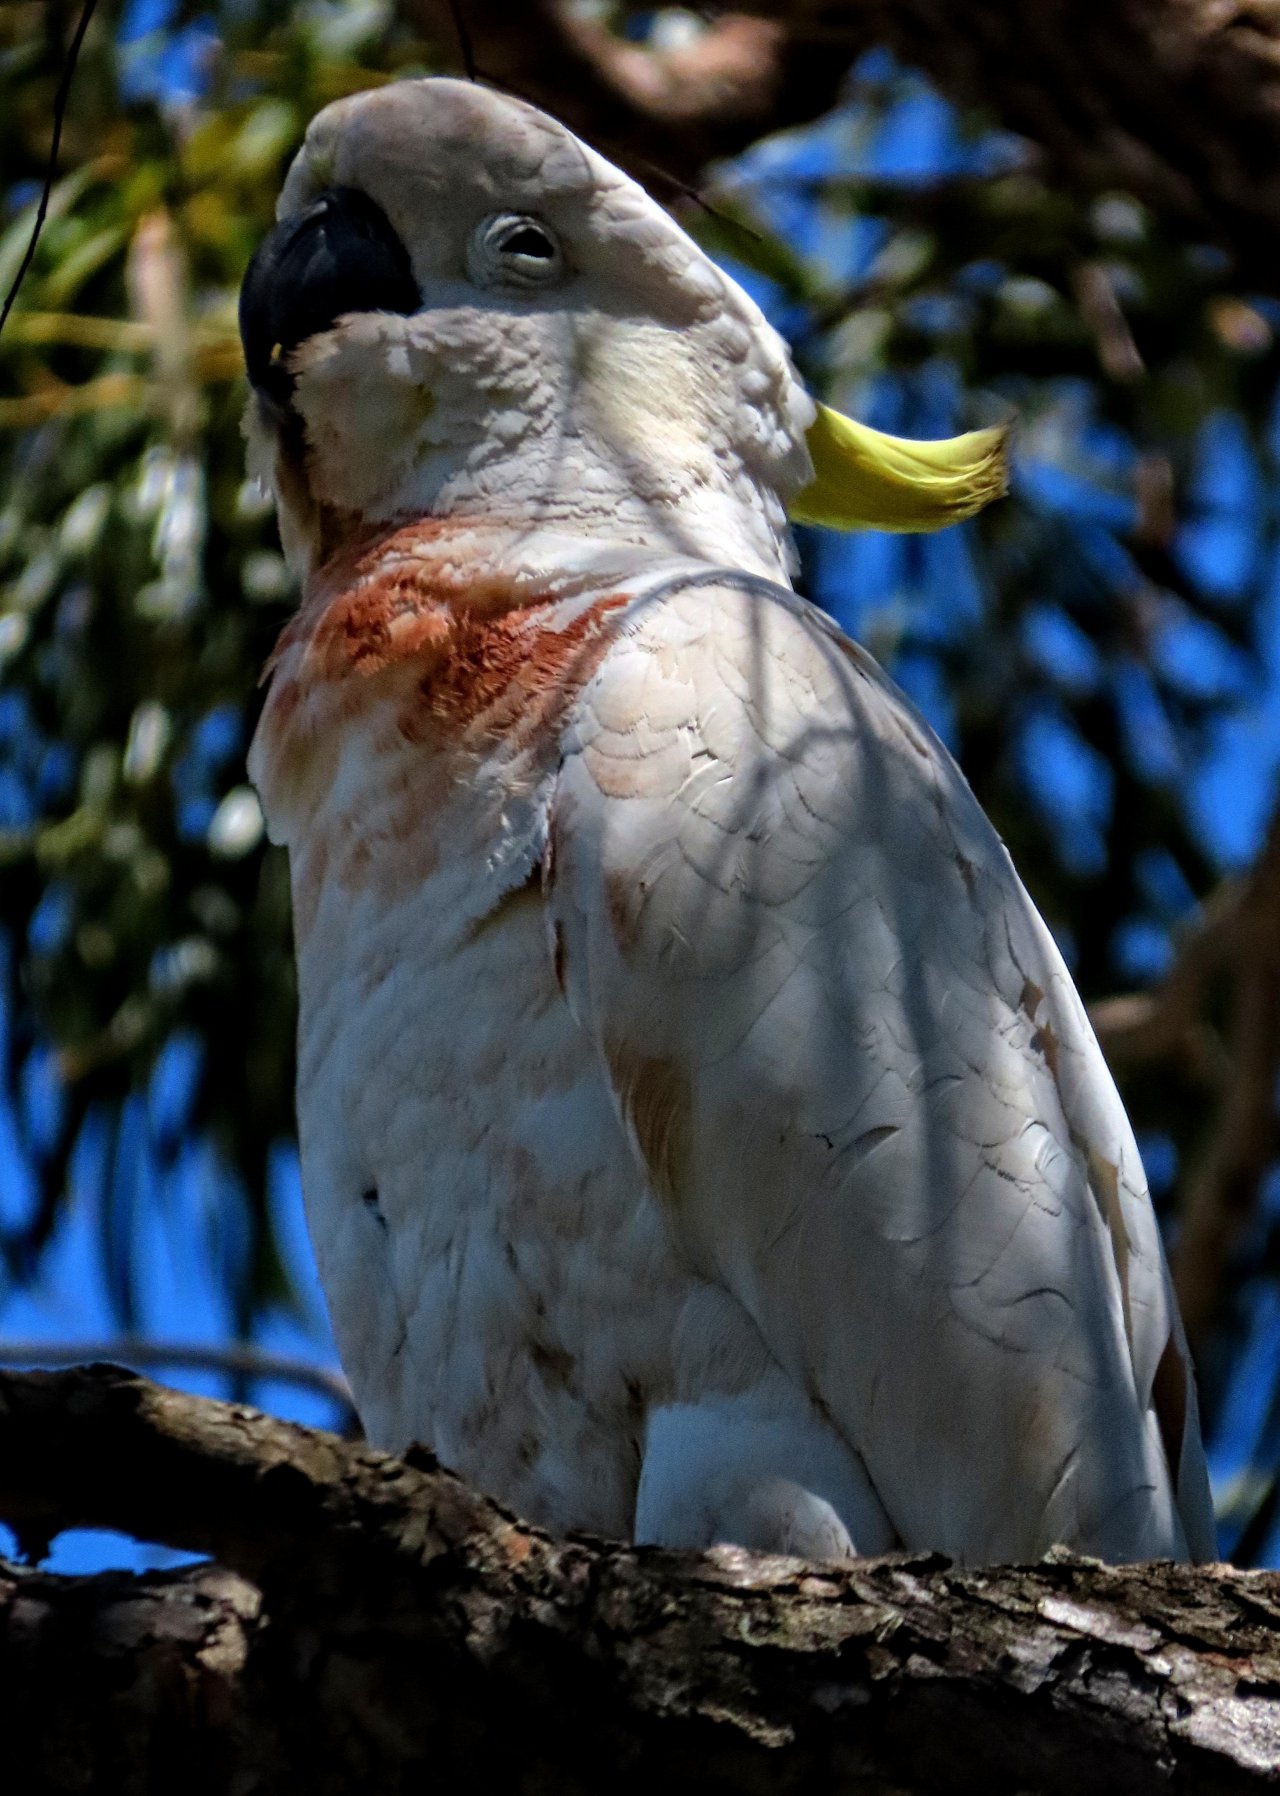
(638, 393)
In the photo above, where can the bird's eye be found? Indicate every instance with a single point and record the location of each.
(512, 250)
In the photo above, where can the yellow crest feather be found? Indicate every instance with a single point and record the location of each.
(865, 480)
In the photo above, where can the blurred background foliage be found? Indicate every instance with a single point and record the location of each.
(1102, 651)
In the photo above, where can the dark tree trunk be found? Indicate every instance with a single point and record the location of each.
(374, 1625)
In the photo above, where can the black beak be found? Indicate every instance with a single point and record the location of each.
(340, 255)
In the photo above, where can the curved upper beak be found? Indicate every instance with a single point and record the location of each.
(338, 256)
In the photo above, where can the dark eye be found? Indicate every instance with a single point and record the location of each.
(529, 240)
(515, 251)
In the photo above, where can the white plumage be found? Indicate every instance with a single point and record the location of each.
(702, 1138)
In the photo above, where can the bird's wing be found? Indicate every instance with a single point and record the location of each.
(861, 1081)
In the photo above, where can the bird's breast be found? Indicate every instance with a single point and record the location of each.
(502, 1286)
(419, 644)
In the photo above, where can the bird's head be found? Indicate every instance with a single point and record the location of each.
(463, 311)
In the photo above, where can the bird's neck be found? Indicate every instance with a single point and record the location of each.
(527, 524)
(443, 634)
(479, 562)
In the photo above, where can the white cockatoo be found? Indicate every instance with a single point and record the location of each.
(701, 1136)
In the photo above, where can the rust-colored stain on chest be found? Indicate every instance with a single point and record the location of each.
(471, 655)
(509, 676)
(409, 665)
(656, 1098)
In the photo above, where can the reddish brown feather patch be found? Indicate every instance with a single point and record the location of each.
(361, 605)
(435, 663)
(508, 676)
(657, 1101)
(413, 637)
(622, 909)
(483, 657)
(1046, 1042)
(1031, 998)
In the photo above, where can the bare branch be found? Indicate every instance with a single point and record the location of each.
(237, 1359)
(1236, 939)
(400, 1613)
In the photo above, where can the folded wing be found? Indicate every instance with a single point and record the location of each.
(860, 1079)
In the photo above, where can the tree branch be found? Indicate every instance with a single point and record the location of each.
(1237, 938)
(379, 1623)
(236, 1359)
(656, 113)
(1176, 101)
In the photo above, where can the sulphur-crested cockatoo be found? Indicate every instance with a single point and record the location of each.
(701, 1136)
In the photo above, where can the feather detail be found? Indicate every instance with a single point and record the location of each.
(420, 635)
(858, 1078)
(655, 1100)
(864, 479)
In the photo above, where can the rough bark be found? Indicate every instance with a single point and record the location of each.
(1176, 101)
(374, 1624)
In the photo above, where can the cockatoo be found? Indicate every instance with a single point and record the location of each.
(702, 1139)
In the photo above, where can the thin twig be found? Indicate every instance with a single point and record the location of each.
(59, 109)
(236, 1359)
